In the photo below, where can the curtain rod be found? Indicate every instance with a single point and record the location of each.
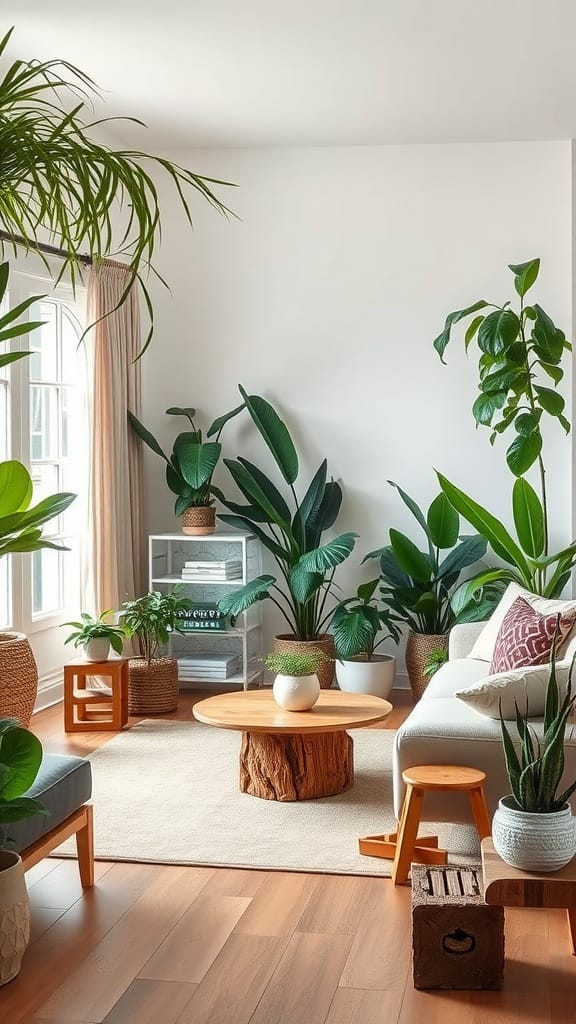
(50, 250)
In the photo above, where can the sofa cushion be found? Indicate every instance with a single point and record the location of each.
(525, 687)
(483, 648)
(453, 676)
(62, 785)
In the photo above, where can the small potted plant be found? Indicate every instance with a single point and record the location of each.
(533, 828)
(153, 679)
(296, 686)
(190, 469)
(95, 636)
(356, 624)
(20, 759)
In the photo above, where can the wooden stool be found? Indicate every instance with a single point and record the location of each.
(404, 846)
(89, 709)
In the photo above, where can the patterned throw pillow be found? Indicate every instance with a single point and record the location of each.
(525, 636)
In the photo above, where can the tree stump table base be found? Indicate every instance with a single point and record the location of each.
(293, 766)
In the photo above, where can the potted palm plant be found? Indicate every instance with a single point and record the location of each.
(417, 586)
(533, 828)
(20, 759)
(357, 624)
(153, 679)
(190, 469)
(290, 528)
(96, 636)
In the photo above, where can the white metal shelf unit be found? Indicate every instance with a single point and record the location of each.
(167, 553)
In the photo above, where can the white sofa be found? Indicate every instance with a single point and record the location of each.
(441, 729)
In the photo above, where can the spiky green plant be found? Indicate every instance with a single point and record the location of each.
(55, 178)
(297, 663)
(535, 775)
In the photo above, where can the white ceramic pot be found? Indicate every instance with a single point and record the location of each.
(533, 842)
(296, 693)
(356, 675)
(14, 915)
(97, 649)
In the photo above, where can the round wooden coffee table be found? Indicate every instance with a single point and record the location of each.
(294, 755)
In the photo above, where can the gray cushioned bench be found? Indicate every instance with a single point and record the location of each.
(63, 785)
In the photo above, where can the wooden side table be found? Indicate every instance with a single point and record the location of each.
(510, 887)
(96, 708)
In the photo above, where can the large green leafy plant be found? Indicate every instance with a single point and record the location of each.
(152, 617)
(360, 625)
(521, 351)
(20, 759)
(191, 466)
(417, 585)
(57, 180)
(290, 527)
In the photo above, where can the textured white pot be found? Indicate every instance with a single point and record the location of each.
(97, 649)
(296, 693)
(533, 842)
(14, 915)
(356, 675)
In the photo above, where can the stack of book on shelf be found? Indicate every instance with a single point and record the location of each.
(201, 616)
(208, 665)
(228, 569)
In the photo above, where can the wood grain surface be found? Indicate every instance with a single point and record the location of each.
(257, 711)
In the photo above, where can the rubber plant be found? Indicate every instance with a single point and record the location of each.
(289, 526)
(520, 356)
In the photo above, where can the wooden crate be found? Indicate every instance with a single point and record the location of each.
(457, 939)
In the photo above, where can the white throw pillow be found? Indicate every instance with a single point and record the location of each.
(517, 686)
(483, 648)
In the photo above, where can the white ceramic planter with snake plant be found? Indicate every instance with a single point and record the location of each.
(533, 841)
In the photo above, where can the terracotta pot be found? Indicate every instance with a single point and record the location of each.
(287, 642)
(14, 916)
(152, 686)
(18, 678)
(199, 520)
(419, 647)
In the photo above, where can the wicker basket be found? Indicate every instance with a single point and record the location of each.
(286, 642)
(419, 647)
(152, 686)
(199, 520)
(18, 678)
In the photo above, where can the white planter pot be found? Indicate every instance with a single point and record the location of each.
(14, 915)
(375, 677)
(97, 649)
(533, 842)
(296, 693)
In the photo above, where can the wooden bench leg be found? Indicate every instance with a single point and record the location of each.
(85, 848)
(480, 812)
(571, 914)
(407, 832)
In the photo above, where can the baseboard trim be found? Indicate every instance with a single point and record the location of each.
(50, 691)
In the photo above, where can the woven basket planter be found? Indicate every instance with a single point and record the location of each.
(286, 642)
(18, 678)
(199, 521)
(152, 686)
(419, 647)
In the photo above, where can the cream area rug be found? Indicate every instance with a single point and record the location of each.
(167, 792)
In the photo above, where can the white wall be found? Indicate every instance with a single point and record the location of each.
(325, 297)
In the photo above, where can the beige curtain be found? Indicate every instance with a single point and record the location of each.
(115, 569)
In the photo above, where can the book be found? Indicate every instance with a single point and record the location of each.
(213, 564)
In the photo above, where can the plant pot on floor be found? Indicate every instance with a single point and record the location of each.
(199, 520)
(358, 675)
(14, 915)
(18, 678)
(419, 647)
(533, 841)
(288, 642)
(152, 686)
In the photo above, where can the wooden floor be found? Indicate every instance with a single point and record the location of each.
(154, 944)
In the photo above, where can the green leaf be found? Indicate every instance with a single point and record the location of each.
(413, 506)
(486, 405)
(39, 514)
(261, 491)
(551, 401)
(322, 517)
(22, 752)
(523, 452)
(443, 522)
(442, 340)
(354, 633)
(391, 570)
(525, 275)
(416, 563)
(240, 600)
(470, 550)
(472, 330)
(242, 523)
(145, 435)
(527, 422)
(548, 338)
(553, 371)
(15, 487)
(197, 462)
(499, 330)
(486, 524)
(366, 590)
(528, 518)
(275, 434)
(329, 555)
(303, 583)
(20, 808)
(178, 410)
(221, 421)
